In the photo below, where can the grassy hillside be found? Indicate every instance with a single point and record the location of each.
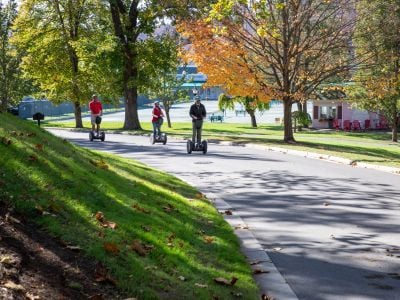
(156, 236)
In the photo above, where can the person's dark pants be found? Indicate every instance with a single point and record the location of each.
(197, 125)
(156, 128)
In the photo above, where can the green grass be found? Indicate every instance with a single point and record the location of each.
(369, 147)
(61, 187)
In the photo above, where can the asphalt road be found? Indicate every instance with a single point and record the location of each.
(332, 230)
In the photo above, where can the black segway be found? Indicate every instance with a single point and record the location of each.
(196, 146)
(162, 138)
(98, 135)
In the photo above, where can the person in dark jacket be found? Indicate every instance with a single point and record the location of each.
(197, 113)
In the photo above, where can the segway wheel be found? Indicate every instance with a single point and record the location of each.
(91, 136)
(204, 144)
(189, 147)
(102, 136)
(164, 138)
(152, 139)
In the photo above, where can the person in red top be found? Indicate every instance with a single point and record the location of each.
(157, 119)
(96, 110)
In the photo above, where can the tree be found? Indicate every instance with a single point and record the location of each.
(289, 47)
(250, 104)
(59, 39)
(167, 84)
(378, 80)
(13, 86)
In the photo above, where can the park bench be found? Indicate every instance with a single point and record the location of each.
(216, 118)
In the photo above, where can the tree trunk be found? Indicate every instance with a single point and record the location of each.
(395, 127)
(3, 106)
(305, 106)
(253, 118)
(131, 112)
(168, 117)
(78, 115)
(287, 118)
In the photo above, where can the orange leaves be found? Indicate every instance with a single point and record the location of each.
(223, 60)
(103, 222)
(101, 275)
(101, 164)
(111, 248)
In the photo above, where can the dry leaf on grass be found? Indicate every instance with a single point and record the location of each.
(203, 286)
(139, 208)
(101, 275)
(103, 222)
(146, 228)
(111, 248)
(168, 208)
(199, 196)
(39, 147)
(32, 158)
(223, 281)
(208, 239)
(141, 248)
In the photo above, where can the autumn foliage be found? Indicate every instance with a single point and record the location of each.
(222, 60)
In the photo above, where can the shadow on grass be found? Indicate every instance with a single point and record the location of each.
(74, 184)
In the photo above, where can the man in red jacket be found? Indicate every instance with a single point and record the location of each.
(157, 119)
(96, 111)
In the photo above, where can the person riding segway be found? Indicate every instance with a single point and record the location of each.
(197, 113)
(157, 121)
(96, 111)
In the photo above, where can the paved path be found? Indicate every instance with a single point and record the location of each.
(332, 230)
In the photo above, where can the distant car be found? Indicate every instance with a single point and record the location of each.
(13, 110)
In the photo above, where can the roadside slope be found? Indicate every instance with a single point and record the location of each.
(152, 235)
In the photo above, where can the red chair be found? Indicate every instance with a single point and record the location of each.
(356, 125)
(367, 124)
(336, 124)
(346, 125)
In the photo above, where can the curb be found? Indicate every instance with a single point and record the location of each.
(312, 155)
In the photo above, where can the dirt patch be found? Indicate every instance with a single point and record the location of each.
(35, 266)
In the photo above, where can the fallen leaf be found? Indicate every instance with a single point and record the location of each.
(223, 281)
(111, 248)
(12, 219)
(73, 248)
(203, 286)
(30, 296)
(14, 286)
(32, 158)
(199, 196)
(99, 216)
(108, 224)
(101, 275)
(141, 209)
(228, 212)
(326, 204)
(208, 239)
(31, 134)
(139, 248)
(242, 227)
(146, 228)
(39, 147)
(266, 297)
(260, 271)
(96, 297)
